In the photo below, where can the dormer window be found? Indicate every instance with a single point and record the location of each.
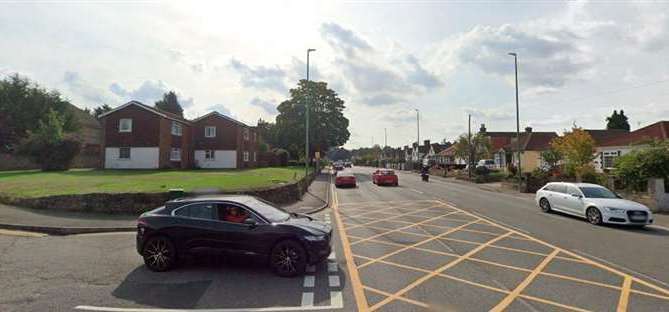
(246, 134)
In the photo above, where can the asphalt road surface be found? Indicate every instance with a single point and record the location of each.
(435, 246)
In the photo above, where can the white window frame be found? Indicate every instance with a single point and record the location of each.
(210, 132)
(177, 129)
(245, 156)
(129, 153)
(175, 151)
(121, 123)
(612, 156)
(246, 134)
(209, 155)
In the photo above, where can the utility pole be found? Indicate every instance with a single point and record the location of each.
(520, 174)
(469, 145)
(306, 126)
(385, 137)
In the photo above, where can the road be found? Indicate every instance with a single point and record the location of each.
(433, 246)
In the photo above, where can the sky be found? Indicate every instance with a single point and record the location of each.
(577, 61)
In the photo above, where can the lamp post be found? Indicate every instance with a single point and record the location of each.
(306, 126)
(469, 146)
(520, 175)
(418, 136)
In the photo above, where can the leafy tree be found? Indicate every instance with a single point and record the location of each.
(327, 125)
(617, 121)
(480, 148)
(552, 158)
(24, 104)
(101, 110)
(578, 148)
(47, 145)
(636, 167)
(170, 103)
(267, 132)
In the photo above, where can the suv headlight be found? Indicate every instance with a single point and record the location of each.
(614, 210)
(315, 238)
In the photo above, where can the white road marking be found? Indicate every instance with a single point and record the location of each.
(311, 269)
(330, 307)
(332, 256)
(417, 191)
(309, 281)
(622, 267)
(307, 299)
(333, 267)
(333, 281)
(336, 299)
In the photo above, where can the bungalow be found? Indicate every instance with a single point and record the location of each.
(448, 158)
(531, 146)
(498, 140)
(138, 136)
(611, 148)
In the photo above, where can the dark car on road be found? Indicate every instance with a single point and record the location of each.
(236, 224)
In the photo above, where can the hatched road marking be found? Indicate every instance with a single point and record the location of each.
(376, 234)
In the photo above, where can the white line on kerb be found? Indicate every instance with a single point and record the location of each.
(307, 299)
(332, 256)
(309, 281)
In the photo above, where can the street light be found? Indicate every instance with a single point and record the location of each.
(306, 106)
(515, 62)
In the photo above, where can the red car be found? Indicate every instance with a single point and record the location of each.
(385, 177)
(345, 179)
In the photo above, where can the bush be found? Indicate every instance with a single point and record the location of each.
(638, 166)
(52, 156)
(481, 171)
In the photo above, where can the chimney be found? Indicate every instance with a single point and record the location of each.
(483, 129)
(528, 129)
(426, 143)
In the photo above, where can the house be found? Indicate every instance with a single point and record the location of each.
(498, 140)
(614, 146)
(448, 158)
(600, 136)
(222, 142)
(138, 136)
(433, 152)
(531, 146)
(419, 152)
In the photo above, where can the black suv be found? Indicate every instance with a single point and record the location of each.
(232, 224)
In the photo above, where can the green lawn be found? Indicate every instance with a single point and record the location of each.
(34, 183)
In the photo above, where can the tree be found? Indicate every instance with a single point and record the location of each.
(479, 148)
(47, 145)
(24, 104)
(170, 103)
(617, 121)
(327, 125)
(101, 110)
(636, 167)
(552, 158)
(267, 132)
(578, 149)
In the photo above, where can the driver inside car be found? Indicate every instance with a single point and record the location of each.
(235, 215)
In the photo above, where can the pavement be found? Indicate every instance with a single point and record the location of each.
(436, 246)
(67, 222)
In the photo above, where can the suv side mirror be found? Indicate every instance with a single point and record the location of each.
(250, 222)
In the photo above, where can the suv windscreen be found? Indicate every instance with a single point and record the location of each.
(597, 192)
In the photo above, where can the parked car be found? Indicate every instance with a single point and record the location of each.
(237, 224)
(385, 177)
(338, 166)
(347, 164)
(488, 163)
(345, 178)
(594, 202)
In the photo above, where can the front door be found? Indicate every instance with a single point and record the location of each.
(237, 236)
(573, 200)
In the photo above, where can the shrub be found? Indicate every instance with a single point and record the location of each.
(47, 147)
(481, 171)
(638, 166)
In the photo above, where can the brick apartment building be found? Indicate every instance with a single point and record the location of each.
(138, 136)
